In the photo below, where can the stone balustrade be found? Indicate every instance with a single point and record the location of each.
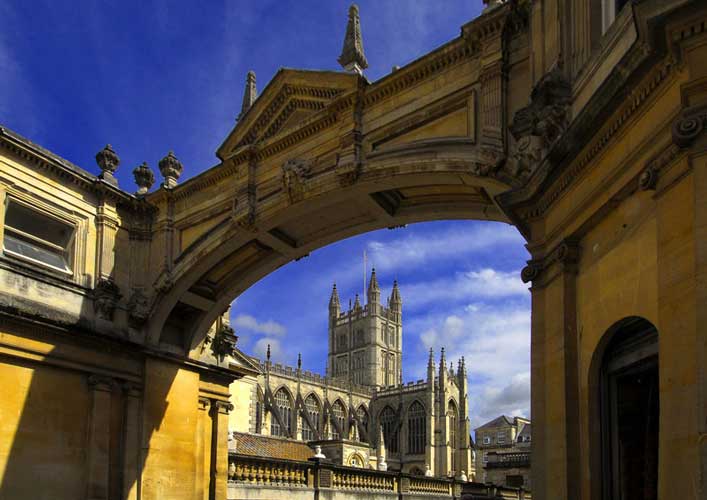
(260, 478)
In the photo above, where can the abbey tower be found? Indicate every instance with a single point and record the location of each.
(365, 342)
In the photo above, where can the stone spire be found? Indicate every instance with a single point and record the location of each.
(357, 304)
(352, 57)
(249, 95)
(374, 291)
(334, 304)
(431, 368)
(442, 370)
(396, 303)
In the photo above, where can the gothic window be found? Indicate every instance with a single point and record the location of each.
(630, 408)
(284, 406)
(37, 238)
(358, 338)
(341, 366)
(362, 416)
(389, 422)
(417, 431)
(338, 419)
(391, 336)
(342, 343)
(311, 406)
(453, 423)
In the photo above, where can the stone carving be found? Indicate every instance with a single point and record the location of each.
(108, 161)
(138, 308)
(223, 342)
(566, 254)
(537, 126)
(170, 168)
(144, 178)
(294, 174)
(352, 57)
(689, 125)
(106, 296)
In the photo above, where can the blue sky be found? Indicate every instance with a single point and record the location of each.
(154, 76)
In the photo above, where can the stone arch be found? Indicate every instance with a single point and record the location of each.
(637, 338)
(429, 180)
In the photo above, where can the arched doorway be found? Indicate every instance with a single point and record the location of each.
(627, 393)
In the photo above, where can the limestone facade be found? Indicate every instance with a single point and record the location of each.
(580, 122)
(358, 415)
(503, 452)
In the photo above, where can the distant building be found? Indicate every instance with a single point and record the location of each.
(360, 412)
(503, 452)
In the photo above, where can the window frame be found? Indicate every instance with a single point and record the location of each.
(68, 252)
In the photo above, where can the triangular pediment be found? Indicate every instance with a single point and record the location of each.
(238, 359)
(291, 98)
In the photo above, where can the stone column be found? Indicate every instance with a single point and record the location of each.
(203, 448)
(219, 449)
(131, 458)
(555, 376)
(99, 437)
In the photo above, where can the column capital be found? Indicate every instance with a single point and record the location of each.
(222, 407)
(204, 403)
(101, 382)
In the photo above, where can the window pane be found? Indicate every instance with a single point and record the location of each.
(31, 250)
(38, 225)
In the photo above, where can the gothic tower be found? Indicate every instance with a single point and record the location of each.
(365, 342)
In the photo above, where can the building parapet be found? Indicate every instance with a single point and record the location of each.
(508, 460)
(307, 478)
(315, 378)
(404, 388)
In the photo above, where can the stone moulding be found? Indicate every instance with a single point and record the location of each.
(566, 253)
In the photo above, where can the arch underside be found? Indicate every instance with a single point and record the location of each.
(423, 183)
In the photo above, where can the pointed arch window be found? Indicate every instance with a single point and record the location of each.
(338, 418)
(453, 424)
(416, 428)
(389, 423)
(313, 410)
(362, 416)
(283, 402)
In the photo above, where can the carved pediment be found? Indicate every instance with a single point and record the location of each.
(292, 98)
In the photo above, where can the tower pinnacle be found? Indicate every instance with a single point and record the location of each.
(352, 57)
(374, 291)
(334, 304)
(249, 95)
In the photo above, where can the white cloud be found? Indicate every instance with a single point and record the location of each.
(416, 248)
(260, 349)
(248, 322)
(494, 339)
(464, 286)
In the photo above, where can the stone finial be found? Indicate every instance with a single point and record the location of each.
(267, 353)
(352, 57)
(334, 303)
(250, 94)
(144, 178)
(318, 452)
(299, 361)
(108, 161)
(171, 168)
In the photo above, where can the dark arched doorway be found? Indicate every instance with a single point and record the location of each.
(629, 406)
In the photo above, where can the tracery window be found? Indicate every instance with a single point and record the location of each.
(362, 416)
(311, 406)
(284, 407)
(417, 431)
(338, 417)
(453, 423)
(259, 413)
(358, 338)
(389, 422)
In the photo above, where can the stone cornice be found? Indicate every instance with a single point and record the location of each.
(647, 59)
(566, 254)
